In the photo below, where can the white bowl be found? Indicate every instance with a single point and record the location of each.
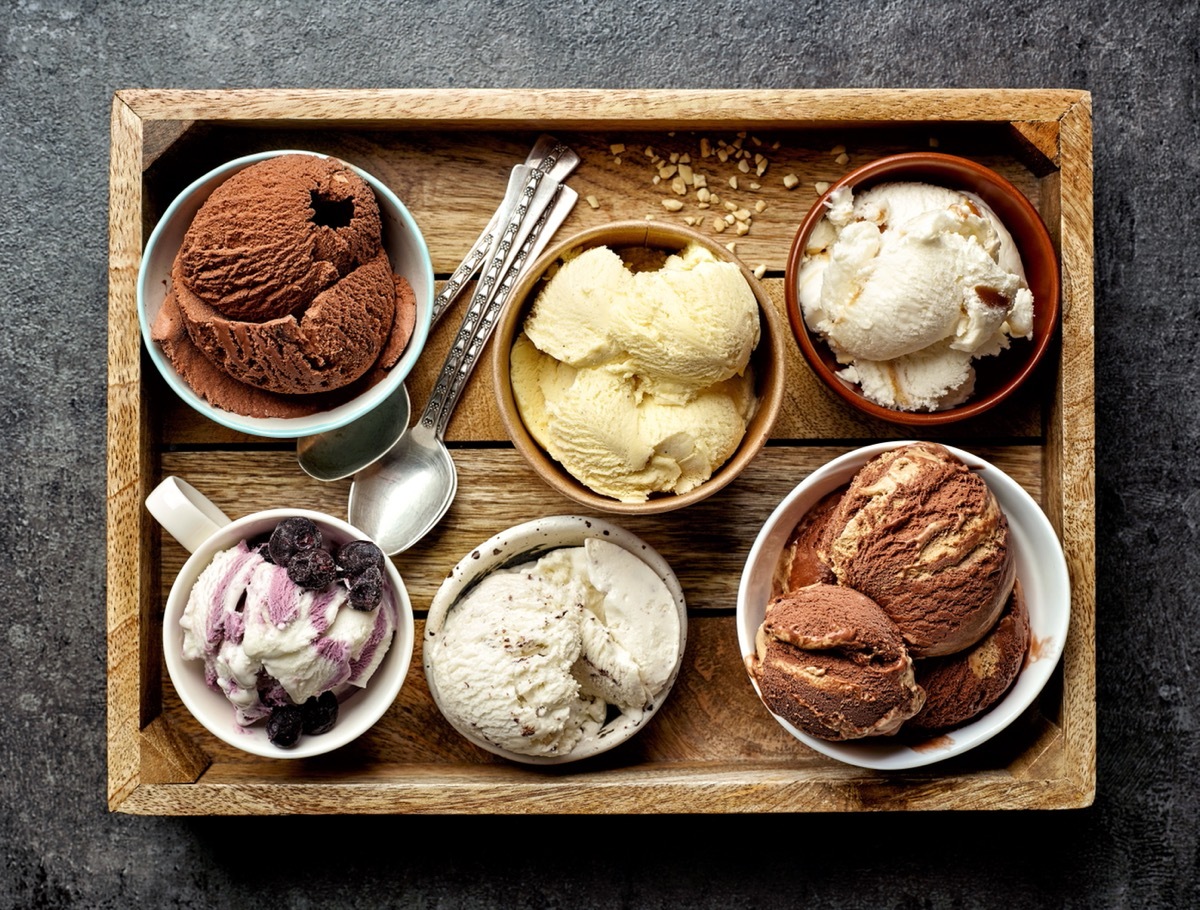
(409, 258)
(526, 542)
(1041, 569)
(357, 712)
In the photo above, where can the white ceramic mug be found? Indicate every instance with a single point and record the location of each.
(204, 530)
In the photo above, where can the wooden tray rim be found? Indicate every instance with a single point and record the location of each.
(146, 760)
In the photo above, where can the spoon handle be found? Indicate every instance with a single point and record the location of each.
(551, 218)
(565, 163)
(518, 228)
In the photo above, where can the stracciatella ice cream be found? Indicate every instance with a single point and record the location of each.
(283, 301)
(639, 382)
(534, 657)
(909, 284)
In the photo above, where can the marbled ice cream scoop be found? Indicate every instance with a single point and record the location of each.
(266, 641)
(924, 537)
(830, 662)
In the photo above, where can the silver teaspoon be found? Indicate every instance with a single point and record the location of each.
(400, 498)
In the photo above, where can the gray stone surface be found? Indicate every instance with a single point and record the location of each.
(60, 62)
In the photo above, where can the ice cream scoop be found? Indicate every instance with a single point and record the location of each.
(830, 661)
(909, 283)
(535, 658)
(922, 535)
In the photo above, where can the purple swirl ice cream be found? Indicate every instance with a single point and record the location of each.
(268, 642)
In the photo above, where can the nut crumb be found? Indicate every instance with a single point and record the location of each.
(755, 186)
(593, 202)
(760, 206)
(649, 151)
(821, 187)
(667, 170)
(731, 206)
(679, 186)
(656, 180)
(842, 158)
(733, 182)
(703, 194)
(791, 181)
(617, 147)
(744, 166)
(705, 148)
(703, 205)
(672, 205)
(686, 172)
(742, 228)
(742, 214)
(718, 224)
(837, 150)
(699, 180)
(759, 271)
(729, 219)
(617, 160)
(731, 246)
(687, 219)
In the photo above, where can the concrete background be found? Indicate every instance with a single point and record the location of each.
(60, 62)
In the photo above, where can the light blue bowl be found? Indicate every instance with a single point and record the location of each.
(409, 257)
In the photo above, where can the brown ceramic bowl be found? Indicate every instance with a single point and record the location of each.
(768, 360)
(996, 377)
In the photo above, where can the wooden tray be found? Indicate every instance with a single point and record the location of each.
(712, 748)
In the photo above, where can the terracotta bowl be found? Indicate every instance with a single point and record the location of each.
(768, 361)
(996, 377)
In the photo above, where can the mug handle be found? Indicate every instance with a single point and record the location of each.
(185, 513)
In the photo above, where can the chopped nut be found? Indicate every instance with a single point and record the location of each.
(755, 186)
(760, 206)
(762, 168)
(731, 246)
(733, 182)
(791, 181)
(674, 157)
(672, 205)
(775, 144)
(649, 217)
(742, 214)
(837, 150)
(759, 271)
(699, 180)
(714, 199)
(820, 186)
(705, 148)
(742, 228)
(679, 186)
(666, 171)
(689, 220)
(703, 205)
(703, 194)
(686, 172)
(729, 219)
(617, 147)
(685, 158)
(741, 134)
(842, 158)
(657, 180)
(718, 225)
(649, 151)
(723, 155)
(617, 160)
(756, 140)
(744, 166)
(593, 202)
(731, 206)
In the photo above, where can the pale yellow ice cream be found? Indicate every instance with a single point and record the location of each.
(639, 382)
(909, 284)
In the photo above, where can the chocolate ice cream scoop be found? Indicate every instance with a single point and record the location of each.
(830, 662)
(273, 236)
(799, 564)
(959, 687)
(924, 537)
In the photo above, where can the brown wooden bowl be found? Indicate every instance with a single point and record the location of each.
(996, 377)
(768, 360)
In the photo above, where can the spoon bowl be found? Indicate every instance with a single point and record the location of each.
(404, 505)
(337, 454)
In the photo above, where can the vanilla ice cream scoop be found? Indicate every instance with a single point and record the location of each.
(534, 658)
(639, 382)
(908, 284)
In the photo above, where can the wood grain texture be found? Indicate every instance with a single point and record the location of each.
(712, 748)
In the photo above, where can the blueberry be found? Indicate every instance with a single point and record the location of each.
(366, 589)
(292, 536)
(358, 555)
(312, 569)
(284, 725)
(320, 713)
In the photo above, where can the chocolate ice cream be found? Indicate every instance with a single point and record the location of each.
(959, 687)
(800, 565)
(833, 664)
(924, 537)
(283, 301)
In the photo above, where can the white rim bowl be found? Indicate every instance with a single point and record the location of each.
(358, 711)
(1041, 569)
(409, 257)
(526, 542)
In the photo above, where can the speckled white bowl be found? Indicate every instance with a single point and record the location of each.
(409, 258)
(1041, 568)
(526, 542)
